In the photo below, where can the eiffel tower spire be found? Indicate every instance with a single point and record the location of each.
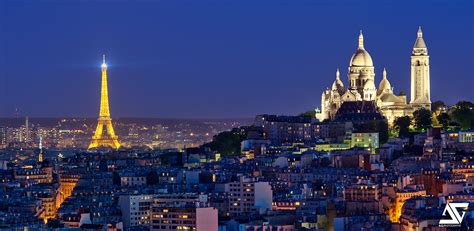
(107, 139)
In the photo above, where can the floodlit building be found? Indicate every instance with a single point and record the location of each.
(361, 76)
(466, 136)
(368, 140)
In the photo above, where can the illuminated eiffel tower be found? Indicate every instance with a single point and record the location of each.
(101, 138)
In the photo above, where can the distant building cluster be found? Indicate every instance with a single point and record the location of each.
(76, 133)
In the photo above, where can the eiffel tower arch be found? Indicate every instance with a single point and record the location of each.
(105, 138)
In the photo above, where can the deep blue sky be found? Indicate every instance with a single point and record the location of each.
(194, 59)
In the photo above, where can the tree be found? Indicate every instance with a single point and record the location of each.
(463, 114)
(379, 126)
(228, 142)
(437, 105)
(382, 127)
(422, 118)
(444, 119)
(402, 124)
(310, 113)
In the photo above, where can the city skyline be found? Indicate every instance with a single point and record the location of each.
(187, 79)
(218, 115)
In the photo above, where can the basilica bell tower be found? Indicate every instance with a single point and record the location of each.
(420, 74)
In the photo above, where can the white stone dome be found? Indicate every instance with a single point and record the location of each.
(361, 58)
(338, 85)
(384, 85)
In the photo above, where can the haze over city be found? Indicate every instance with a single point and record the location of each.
(217, 59)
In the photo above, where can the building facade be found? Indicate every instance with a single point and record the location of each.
(368, 140)
(247, 196)
(281, 129)
(183, 212)
(136, 209)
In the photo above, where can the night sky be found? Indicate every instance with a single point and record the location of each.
(218, 59)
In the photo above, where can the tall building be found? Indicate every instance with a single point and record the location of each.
(420, 74)
(67, 183)
(27, 130)
(361, 76)
(40, 155)
(107, 138)
(247, 196)
(136, 209)
(3, 137)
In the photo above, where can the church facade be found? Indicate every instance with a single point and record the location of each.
(361, 85)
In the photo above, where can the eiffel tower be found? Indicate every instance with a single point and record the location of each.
(107, 138)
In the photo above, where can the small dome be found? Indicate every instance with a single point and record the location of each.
(338, 84)
(384, 85)
(369, 84)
